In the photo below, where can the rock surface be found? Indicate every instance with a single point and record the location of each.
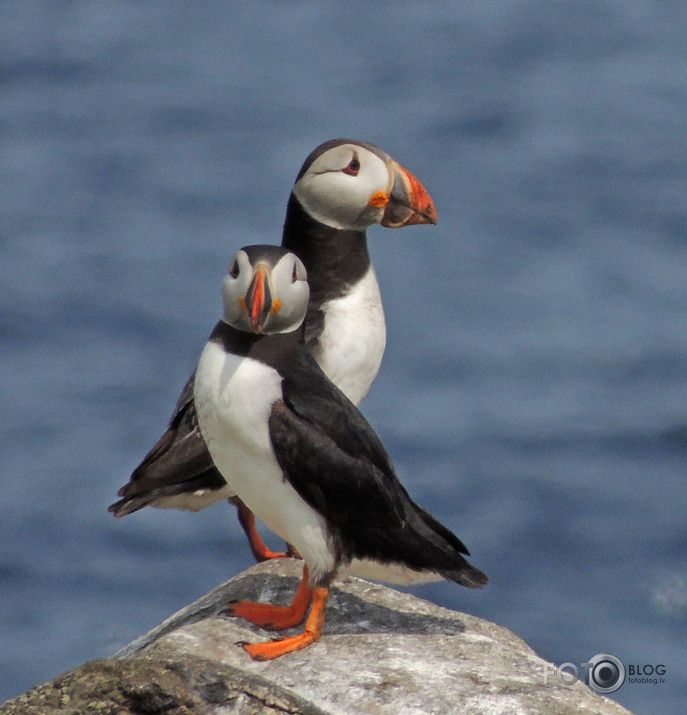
(382, 652)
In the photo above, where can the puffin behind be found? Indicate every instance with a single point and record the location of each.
(343, 187)
(302, 457)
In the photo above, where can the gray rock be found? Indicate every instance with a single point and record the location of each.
(184, 685)
(381, 652)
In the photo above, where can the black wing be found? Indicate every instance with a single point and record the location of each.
(178, 463)
(336, 462)
(314, 324)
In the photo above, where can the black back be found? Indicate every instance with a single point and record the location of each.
(334, 459)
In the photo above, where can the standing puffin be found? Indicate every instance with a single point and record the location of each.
(300, 455)
(343, 187)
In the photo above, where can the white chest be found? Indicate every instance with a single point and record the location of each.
(351, 346)
(234, 398)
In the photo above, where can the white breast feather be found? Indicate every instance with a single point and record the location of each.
(388, 573)
(234, 397)
(351, 346)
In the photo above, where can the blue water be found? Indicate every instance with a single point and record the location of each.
(534, 389)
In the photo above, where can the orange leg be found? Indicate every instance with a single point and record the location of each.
(257, 545)
(312, 633)
(275, 618)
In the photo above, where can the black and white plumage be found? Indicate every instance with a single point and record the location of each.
(343, 187)
(301, 456)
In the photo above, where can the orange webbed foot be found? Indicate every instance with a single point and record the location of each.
(313, 631)
(273, 649)
(272, 617)
(267, 616)
(260, 550)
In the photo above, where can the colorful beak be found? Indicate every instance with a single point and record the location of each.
(258, 299)
(409, 202)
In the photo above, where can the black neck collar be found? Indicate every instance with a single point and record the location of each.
(335, 258)
(276, 351)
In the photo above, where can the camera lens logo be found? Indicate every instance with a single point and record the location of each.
(605, 673)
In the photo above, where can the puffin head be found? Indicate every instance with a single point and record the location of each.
(348, 184)
(265, 291)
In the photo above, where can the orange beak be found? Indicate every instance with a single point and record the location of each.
(258, 300)
(409, 201)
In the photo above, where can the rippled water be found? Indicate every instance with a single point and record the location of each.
(533, 393)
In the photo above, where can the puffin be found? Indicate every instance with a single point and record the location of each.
(301, 456)
(343, 187)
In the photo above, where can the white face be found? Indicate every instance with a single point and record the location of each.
(347, 187)
(287, 286)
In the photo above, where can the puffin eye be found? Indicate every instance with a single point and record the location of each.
(353, 166)
(294, 273)
(234, 272)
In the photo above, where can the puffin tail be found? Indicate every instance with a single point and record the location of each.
(468, 575)
(449, 548)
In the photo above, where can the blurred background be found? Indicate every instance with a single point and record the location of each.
(534, 390)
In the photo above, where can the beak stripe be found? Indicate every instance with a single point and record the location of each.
(256, 299)
(409, 201)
